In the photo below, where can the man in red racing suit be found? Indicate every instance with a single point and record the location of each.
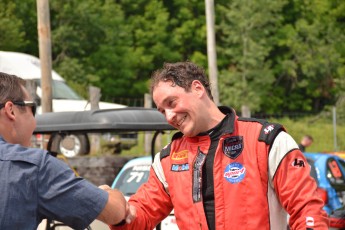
(235, 173)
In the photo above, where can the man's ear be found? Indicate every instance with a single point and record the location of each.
(9, 112)
(198, 87)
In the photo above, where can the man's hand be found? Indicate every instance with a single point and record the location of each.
(132, 214)
(117, 208)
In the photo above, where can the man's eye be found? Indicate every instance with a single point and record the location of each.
(161, 111)
(171, 103)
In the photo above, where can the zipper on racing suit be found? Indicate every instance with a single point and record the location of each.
(197, 175)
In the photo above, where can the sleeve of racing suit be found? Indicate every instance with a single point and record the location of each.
(152, 205)
(295, 188)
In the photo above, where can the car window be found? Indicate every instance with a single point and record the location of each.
(334, 173)
(131, 179)
(61, 91)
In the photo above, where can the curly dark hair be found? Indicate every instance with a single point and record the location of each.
(10, 89)
(181, 74)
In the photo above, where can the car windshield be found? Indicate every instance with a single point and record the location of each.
(61, 90)
(131, 179)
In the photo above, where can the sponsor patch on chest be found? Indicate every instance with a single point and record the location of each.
(179, 167)
(234, 172)
(181, 155)
(233, 146)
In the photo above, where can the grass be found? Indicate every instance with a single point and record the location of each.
(320, 128)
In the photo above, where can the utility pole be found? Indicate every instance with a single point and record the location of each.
(43, 27)
(211, 49)
(148, 136)
(334, 112)
(95, 138)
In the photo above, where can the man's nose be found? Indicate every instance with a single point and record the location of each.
(169, 115)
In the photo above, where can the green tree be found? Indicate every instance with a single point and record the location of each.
(308, 61)
(273, 56)
(148, 23)
(12, 27)
(188, 29)
(90, 45)
(245, 33)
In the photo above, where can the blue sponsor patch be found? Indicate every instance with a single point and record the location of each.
(179, 167)
(234, 172)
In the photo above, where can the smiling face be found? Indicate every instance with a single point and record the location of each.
(182, 93)
(183, 110)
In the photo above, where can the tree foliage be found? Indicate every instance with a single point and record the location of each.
(15, 27)
(309, 61)
(273, 56)
(245, 34)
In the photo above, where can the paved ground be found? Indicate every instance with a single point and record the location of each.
(96, 225)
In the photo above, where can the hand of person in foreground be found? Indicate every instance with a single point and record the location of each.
(117, 208)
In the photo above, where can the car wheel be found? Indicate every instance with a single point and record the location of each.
(70, 145)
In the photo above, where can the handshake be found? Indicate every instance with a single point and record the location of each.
(117, 210)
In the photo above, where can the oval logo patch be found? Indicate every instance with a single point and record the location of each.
(234, 172)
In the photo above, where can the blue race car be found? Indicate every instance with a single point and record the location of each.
(329, 172)
(132, 175)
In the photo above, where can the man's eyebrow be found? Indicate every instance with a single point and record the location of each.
(163, 103)
(167, 99)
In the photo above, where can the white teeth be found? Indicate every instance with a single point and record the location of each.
(182, 120)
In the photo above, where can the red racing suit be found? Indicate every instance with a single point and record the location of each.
(259, 175)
